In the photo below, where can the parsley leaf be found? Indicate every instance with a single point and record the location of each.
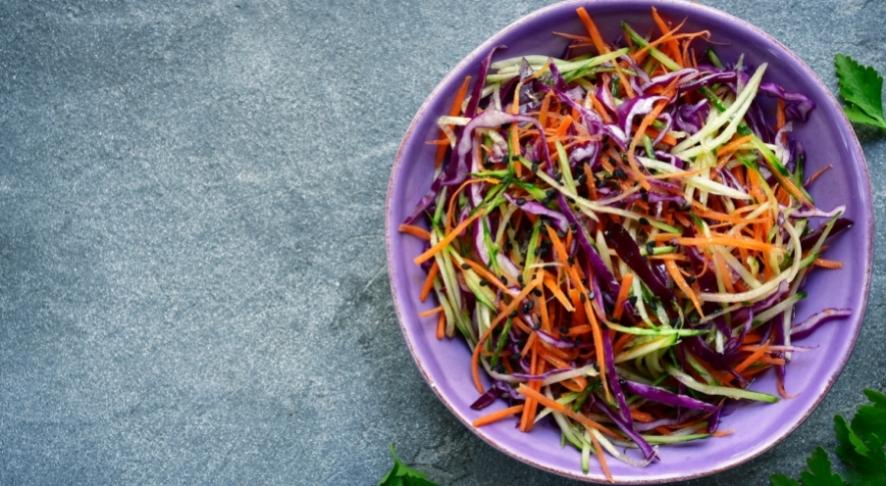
(860, 446)
(403, 475)
(861, 88)
(782, 480)
(871, 419)
(818, 470)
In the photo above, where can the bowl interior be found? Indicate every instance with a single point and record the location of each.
(828, 140)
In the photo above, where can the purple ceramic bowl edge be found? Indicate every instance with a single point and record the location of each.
(868, 227)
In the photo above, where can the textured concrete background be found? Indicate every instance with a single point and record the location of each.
(192, 272)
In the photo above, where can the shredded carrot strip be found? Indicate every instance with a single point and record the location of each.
(599, 108)
(681, 283)
(591, 27)
(428, 284)
(667, 138)
(664, 39)
(773, 361)
(529, 343)
(622, 343)
(723, 272)
(830, 264)
(441, 327)
(750, 338)
(752, 358)
(676, 257)
(486, 275)
(498, 415)
(626, 281)
(601, 46)
(733, 241)
(543, 311)
(559, 248)
(598, 346)
(565, 123)
(431, 312)
(580, 330)
(557, 293)
(816, 175)
(531, 406)
(415, 231)
(601, 458)
(734, 145)
(671, 45)
(779, 114)
(641, 416)
(446, 240)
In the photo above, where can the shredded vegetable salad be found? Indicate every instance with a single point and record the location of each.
(621, 236)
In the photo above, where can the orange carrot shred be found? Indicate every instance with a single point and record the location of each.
(598, 453)
(486, 275)
(779, 114)
(428, 284)
(498, 415)
(529, 342)
(446, 240)
(671, 45)
(681, 283)
(829, 264)
(431, 312)
(415, 231)
(752, 358)
(816, 175)
(626, 281)
(441, 326)
(591, 27)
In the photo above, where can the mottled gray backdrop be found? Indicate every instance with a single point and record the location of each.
(192, 268)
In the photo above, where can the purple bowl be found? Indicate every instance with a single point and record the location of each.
(828, 138)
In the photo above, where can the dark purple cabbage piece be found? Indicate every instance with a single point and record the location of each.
(660, 395)
(691, 117)
(538, 209)
(812, 323)
(555, 342)
(840, 225)
(628, 429)
(797, 106)
(499, 389)
(627, 249)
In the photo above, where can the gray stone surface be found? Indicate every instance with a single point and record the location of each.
(192, 273)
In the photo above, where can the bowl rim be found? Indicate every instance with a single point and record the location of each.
(691, 9)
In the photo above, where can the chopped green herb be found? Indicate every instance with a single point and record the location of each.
(861, 88)
(403, 475)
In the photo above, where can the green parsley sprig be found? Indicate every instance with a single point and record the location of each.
(861, 89)
(403, 475)
(859, 446)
